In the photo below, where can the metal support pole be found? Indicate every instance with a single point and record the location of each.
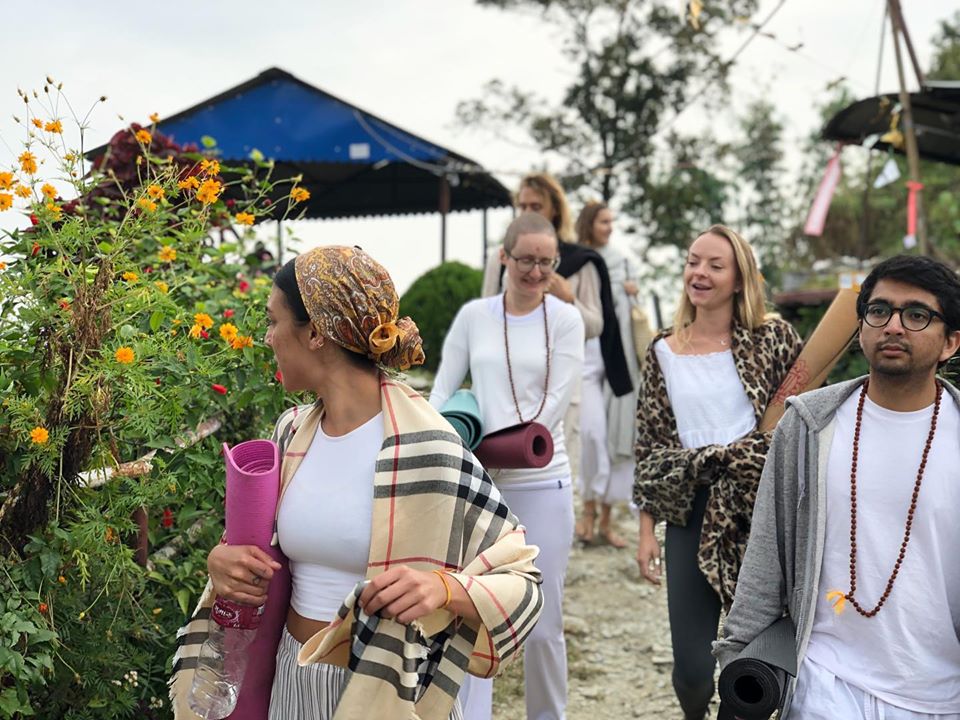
(279, 243)
(908, 129)
(444, 206)
(484, 238)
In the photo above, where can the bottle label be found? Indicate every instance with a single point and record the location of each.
(233, 615)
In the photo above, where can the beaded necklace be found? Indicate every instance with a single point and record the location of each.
(838, 597)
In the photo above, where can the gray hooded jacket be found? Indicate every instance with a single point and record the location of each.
(781, 569)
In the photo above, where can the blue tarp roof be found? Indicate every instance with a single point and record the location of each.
(353, 163)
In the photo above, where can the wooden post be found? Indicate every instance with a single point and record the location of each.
(279, 243)
(908, 129)
(143, 541)
(909, 43)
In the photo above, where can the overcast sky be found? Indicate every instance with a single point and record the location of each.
(409, 62)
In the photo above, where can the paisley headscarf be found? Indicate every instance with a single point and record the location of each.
(351, 299)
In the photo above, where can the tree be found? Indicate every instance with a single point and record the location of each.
(638, 64)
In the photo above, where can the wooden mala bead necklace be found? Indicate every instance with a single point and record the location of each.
(838, 597)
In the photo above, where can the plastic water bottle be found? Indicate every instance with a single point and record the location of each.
(223, 659)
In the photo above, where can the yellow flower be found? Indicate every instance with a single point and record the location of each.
(156, 192)
(130, 276)
(203, 320)
(39, 435)
(244, 218)
(143, 136)
(6, 180)
(54, 127)
(49, 191)
(195, 330)
(210, 167)
(228, 331)
(70, 157)
(154, 118)
(23, 191)
(299, 194)
(147, 204)
(240, 341)
(191, 183)
(162, 286)
(167, 254)
(209, 191)
(28, 163)
(55, 210)
(37, 122)
(124, 355)
(6, 201)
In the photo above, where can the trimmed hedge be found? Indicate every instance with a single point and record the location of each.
(433, 301)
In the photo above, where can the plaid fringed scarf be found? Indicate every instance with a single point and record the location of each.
(434, 508)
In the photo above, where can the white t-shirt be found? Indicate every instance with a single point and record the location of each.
(474, 343)
(326, 516)
(706, 394)
(908, 654)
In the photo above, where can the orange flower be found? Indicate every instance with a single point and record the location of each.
(23, 191)
(244, 218)
(54, 127)
(130, 277)
(210, 167)
(109, 535)
(39, 435)
(49, 191)
(209, 191)
(147, 204)
(154, 118)
(191, 183)
(61, 579)
(42, 607)
(3, 265)
(6, 180)
(228, 331)
(167, 254)
(55, 210)
(143, 136)
(162, 286)
(37, 122)
(299, 194)
(155, 191)
(124, 355)
(28, 162)
(203, 320)
(241, 341)
(6, 201)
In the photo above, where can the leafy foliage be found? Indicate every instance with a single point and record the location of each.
(434, 299)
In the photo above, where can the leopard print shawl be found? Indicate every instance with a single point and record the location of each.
(667, 474)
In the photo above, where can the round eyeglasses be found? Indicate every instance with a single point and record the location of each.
(526, 264)
(912, 317)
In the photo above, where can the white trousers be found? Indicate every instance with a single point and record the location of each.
(821, 695)
(545, 509)
(600, 480)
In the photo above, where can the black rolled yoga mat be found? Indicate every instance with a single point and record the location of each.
(752, 686)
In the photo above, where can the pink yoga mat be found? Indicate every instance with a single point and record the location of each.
(527, 445)
(253, 488)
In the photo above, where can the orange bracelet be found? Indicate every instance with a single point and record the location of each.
(441, 574)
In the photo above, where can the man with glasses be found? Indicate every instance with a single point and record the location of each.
(857, 517)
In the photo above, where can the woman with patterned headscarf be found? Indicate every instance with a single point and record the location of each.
(383, 516)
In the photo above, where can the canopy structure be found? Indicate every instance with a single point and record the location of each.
(354, 163)
(936, 116)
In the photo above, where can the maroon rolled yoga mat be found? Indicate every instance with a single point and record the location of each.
(527, 445)
(253, 489)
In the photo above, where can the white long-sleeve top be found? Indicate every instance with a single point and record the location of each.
(474, 343)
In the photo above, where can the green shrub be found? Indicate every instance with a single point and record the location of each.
(433, 301)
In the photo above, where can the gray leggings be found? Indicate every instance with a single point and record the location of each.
(694, 609)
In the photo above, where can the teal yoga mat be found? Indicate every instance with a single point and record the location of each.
(463, 412)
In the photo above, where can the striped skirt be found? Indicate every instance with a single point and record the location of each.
(310, 692)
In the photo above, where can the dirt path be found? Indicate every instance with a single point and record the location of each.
(618, 640)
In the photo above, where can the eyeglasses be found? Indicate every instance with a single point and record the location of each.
(525, 264)
(912, 317)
